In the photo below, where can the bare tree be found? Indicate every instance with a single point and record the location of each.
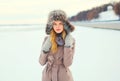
(117, 9)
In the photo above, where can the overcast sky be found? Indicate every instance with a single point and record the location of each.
(36, 11)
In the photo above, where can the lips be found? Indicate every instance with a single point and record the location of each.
(58, 29)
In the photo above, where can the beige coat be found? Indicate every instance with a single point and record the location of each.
(57, 65)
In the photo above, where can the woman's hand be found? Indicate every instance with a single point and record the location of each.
(47, 45)
(68, 41)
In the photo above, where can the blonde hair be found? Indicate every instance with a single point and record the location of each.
(54, 47)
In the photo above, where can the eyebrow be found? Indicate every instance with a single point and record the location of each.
(59, 23)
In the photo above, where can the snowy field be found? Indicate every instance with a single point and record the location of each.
(97, 54)
(115, 25)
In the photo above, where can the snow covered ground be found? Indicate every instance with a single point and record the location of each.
(115, 25)
(97, 54)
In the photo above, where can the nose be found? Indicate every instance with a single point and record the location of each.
(57, 26)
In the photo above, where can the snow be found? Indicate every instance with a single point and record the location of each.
(96, 55)
(107, 15)
(115, 25)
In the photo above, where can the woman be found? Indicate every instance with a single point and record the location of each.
(58, 48)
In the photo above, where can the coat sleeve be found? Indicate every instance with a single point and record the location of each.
(68, 55)
(43, 56)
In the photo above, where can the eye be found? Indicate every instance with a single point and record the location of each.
(54, 24)
(61, 23)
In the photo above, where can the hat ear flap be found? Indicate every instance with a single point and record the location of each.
(68, 27)
(48, 28)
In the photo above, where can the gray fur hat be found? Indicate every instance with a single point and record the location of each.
(58, 15)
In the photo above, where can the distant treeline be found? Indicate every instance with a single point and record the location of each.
(94, 12)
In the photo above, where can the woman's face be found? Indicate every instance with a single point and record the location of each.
(58, 26)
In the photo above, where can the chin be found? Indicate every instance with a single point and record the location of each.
(58, 31)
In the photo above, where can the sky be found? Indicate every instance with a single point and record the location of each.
(36, 11)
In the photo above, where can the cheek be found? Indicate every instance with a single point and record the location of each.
(62, 28)
(54, 28)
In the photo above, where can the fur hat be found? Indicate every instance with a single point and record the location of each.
(58, 15)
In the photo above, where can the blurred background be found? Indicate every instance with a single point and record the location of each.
(97, 35)
(36, 11)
